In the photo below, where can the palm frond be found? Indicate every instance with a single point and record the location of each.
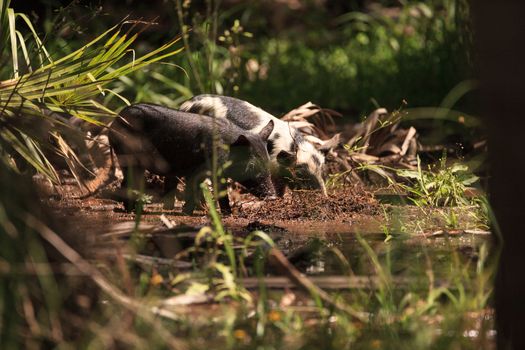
(67, 85)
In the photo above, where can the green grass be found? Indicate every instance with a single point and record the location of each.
(440, 185)
(368, 59)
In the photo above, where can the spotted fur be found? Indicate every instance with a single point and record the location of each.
(285, 141)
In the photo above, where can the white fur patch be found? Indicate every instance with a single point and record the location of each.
(283, 143)
(287, 137)
(211, 106)
(281, 128)
(264, 117)
(305, 155)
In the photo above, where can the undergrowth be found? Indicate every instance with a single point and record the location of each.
(439, 185)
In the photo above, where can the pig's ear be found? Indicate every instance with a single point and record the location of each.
(266, 131)
(242, 141)
(286, 158)
(329, 144)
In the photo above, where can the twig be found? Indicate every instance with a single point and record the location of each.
(155, 261)
(277, 258)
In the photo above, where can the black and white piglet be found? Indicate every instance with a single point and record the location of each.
(178, 144)
(295, 156)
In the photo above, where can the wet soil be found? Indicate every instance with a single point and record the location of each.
(303, 209)
(341, 204)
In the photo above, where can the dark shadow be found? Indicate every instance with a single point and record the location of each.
(500, 32)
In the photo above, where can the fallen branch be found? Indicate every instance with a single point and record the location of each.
(324, 282)
(378, 140)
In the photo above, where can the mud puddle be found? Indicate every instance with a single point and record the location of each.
(321, 246)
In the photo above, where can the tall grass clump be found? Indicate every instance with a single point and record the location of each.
(213, 46)
(441, 185)
(39, 94)
(214, 53)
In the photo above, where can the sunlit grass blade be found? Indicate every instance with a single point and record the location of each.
(12, 141)
(12, 34)
(40, 45)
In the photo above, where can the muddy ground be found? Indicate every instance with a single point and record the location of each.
(100, 228)
(99, 224)
(306, 208)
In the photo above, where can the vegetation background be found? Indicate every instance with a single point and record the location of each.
(346, 55)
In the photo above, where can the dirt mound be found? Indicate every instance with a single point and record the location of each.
(341, 204)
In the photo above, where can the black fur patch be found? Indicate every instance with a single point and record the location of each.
(195, 108)
(270, 146)
(316, 160)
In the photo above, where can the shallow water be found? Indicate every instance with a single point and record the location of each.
(414, 264)
(404, 255)
(417, 268)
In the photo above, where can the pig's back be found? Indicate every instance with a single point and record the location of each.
(182, 140)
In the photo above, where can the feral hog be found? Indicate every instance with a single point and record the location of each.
(178, 144)
(295, 157)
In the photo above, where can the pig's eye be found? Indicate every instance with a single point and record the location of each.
(302, 167)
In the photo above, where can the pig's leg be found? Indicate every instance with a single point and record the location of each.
(222, 185)
(132, 183)
(170, 187)
(189, 195)
(279, 184)
(192, 192)
(224, 201)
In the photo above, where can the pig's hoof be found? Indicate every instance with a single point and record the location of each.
(226, 212)
(187, 210)
(168, 205)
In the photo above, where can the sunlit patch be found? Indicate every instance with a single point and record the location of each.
(240, 334)
(309, 155)
(274, 316)
(208, 105)
(156, 279)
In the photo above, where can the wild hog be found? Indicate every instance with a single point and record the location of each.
(293, 155)
(178, 144)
